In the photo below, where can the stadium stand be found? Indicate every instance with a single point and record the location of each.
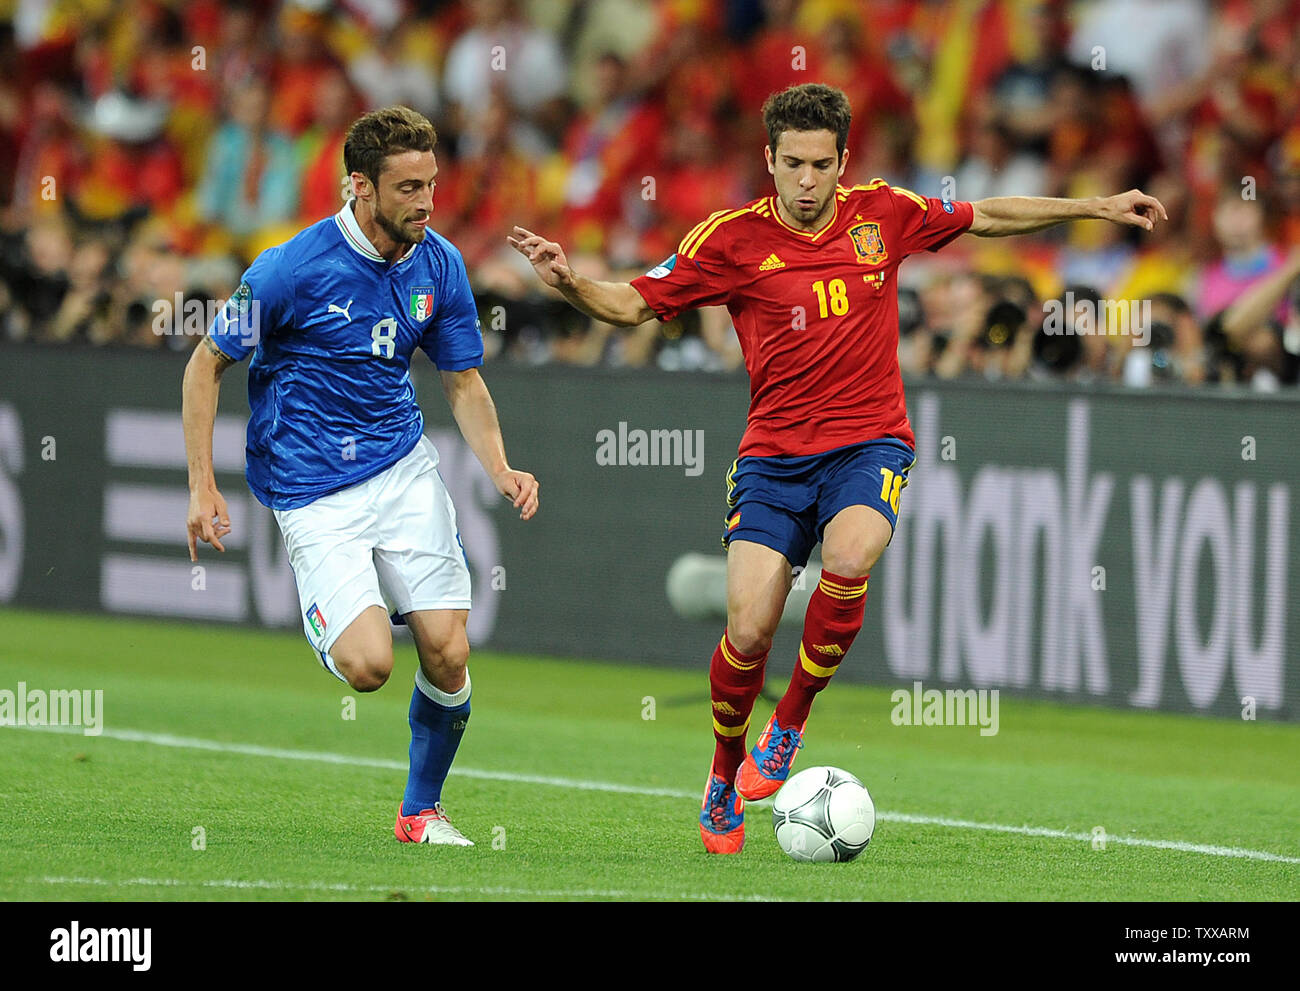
(149, 149)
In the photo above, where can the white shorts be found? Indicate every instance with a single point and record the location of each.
(389, 541)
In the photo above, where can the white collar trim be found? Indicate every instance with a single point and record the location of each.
(357, 241)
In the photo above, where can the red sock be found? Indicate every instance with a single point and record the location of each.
(735, 680)
(833, 619)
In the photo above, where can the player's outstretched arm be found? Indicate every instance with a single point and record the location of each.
(614, 302)
(476, 415)
(1003, 215)
(208, 519)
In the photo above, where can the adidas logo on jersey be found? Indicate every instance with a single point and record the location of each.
(771, 262)
(830, 649)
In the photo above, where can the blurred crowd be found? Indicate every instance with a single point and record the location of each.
(149, 150)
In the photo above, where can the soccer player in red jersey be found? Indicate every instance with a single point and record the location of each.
(809, 276)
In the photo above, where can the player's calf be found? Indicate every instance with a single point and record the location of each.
(440, 704)
(735, 679)
(442, 645)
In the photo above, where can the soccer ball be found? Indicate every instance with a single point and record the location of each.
(823, 815)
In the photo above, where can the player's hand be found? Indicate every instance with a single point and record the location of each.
(1133, 209)
(547, 257)
(209, 520)
(520, 488)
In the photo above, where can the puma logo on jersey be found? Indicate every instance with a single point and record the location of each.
(831, 649)
(340, 309)
(771, 263)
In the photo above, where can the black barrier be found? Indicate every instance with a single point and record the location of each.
(1131, 549)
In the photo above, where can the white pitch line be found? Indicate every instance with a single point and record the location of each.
(254, 750)
(1062, 834)
(385, 763)
(321, 886)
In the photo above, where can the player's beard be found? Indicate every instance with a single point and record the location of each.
(399, 232)
(816, 219)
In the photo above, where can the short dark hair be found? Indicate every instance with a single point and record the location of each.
(808, 107)
(380, 133)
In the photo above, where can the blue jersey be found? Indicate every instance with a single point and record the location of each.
(332, 327)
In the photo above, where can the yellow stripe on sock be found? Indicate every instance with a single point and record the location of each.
(836, 593)
(730, 730)
(841, 587)
(812, 667)
(727, 656)
(842, 593)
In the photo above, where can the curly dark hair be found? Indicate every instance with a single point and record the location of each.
(808, 107)
(380, 133)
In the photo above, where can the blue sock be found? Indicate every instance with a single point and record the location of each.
(437, 723)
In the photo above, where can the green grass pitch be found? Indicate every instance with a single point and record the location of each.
(238, 739)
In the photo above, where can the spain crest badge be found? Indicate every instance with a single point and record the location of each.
(867, 243)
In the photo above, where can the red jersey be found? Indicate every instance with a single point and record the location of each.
(816, 313)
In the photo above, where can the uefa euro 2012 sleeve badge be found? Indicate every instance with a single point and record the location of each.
(868, 243)
(241, 298)
(421, 303)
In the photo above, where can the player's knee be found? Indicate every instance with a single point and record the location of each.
(370, 678)
(446, 658)
(366, 672)
(853, 561)
(455, 656)
(749, 636)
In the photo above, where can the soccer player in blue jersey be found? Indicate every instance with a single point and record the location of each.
(336, 445)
